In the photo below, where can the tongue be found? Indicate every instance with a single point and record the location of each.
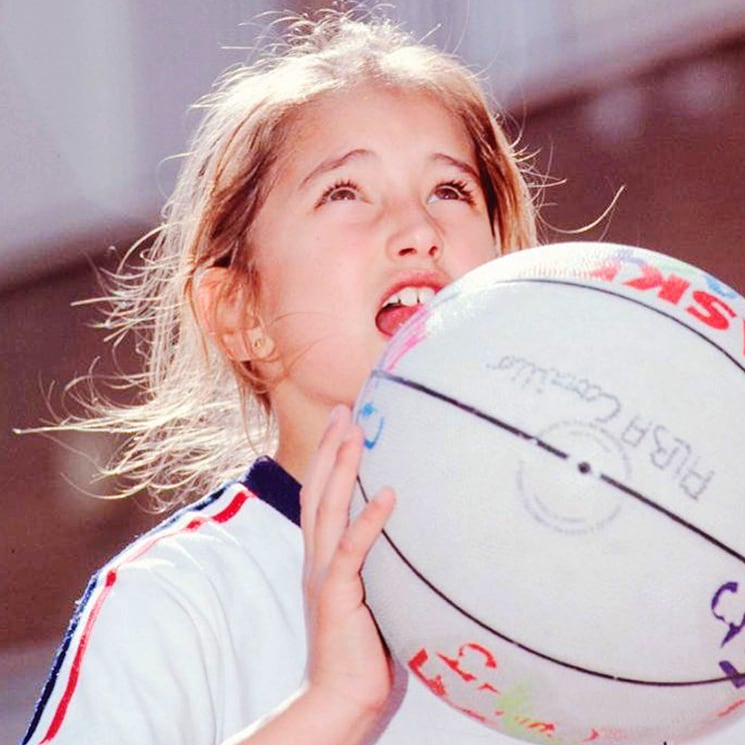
(391, 318)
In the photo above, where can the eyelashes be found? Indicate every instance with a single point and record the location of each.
(344, 190)
(454, 189)
(348, 190)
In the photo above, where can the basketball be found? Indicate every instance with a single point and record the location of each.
(565, 431)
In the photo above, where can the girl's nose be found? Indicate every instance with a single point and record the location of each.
(414, 233)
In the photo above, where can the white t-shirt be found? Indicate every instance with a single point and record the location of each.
(196, 630)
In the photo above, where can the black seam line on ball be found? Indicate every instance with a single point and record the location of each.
(611, 482)
(676, 518)
(522, 434)
(525, 647)
(621, 296)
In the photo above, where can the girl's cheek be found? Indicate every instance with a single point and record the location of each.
(357, 217)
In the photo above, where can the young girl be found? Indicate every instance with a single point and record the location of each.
(331, 189)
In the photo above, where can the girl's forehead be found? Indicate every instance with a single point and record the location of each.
(338, 105)
(377, 117)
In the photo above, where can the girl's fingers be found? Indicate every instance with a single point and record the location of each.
(334, 548)
(358, 538)
(332, 515)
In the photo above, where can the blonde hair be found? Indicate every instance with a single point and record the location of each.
(196, 412)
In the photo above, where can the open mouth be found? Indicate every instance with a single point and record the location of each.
(400, 306)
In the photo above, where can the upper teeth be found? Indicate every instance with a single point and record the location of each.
(411, 296)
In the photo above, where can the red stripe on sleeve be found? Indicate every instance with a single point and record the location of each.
(111, 576)
(72, 681)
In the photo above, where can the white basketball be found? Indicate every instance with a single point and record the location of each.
(565, 431)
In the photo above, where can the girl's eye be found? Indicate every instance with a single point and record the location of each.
(458, 190)
(340, 191)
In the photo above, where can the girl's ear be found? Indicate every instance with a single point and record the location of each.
(227, 313)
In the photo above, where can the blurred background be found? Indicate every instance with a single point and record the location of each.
(647, 96)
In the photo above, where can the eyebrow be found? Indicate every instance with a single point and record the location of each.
(331, 164)
(461, 165)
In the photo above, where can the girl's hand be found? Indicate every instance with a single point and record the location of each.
(348, 666)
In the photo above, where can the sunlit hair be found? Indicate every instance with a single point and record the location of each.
(200, 418)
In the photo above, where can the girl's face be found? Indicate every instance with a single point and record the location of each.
(376, 205)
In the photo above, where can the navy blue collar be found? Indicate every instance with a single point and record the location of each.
(273, 485)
